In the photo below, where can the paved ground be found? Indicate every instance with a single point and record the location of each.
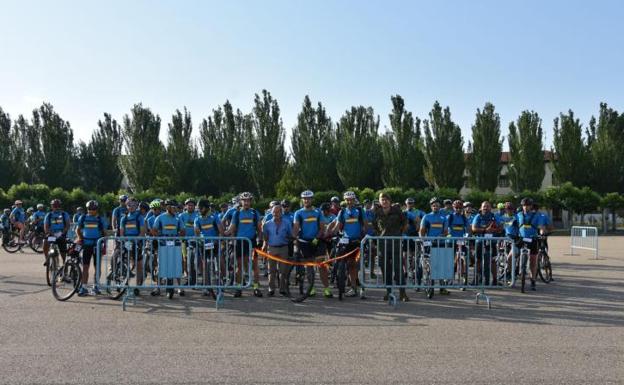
(569, 332)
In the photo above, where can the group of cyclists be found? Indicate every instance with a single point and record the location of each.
(309, 234)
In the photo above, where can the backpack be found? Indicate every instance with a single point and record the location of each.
(451, 223)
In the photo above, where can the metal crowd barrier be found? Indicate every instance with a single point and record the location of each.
(168, 263)
(430, 263)
(584, 238)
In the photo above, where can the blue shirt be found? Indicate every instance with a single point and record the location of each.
(18, 215)
(246, 222)
(529, 224)
(327, 219)
(118, 212)
(208, 225)
(56, 221)
(458, 224)
(38, 215)
(227, 217)
(309, 223)
(544, 219)
(167, 225)
(76, 217)
(482, 221)
(510, 223)
(411, 216)
(351, 219)
(277, 235)
(132, 223)
(188, 221)
(4, 219)
(434, 224)
(92, 228)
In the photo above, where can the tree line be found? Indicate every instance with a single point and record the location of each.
(237, 151)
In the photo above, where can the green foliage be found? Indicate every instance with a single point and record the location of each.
(142, 146)
(325, 196)
(402, 148)
(57, 146)
(444, 150)
(571, 151)
(76, 198)
(313, 153)
(6, 158)
(607, 151)
(612, 201)
(267, 154)
(181, 154)
(290, 184)
(396, 193)
(357, 148)
(483, 161)
(526, 150)
(476, 197)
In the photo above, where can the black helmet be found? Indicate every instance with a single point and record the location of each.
(55, 203)
(204, 204)
(92, 205)
(335, 199)
(144, 206)
(325, 206)
(285, 203)
(448, 202)
(410, 201)
(526, 202)
(171, 202)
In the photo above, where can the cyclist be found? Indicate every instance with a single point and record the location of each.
(77, 215)
(448, 207)
(18, 220)
(207, 224)
(144, 209)
(335, 205)
(434, 224)
(168, 224)
(308, 228)
(459, 227)
(246, 223)
(287, 214)
(132, 224)
(530, 226)
(187, 217)
(276, 233)
(37, 218)
(509, 220)
(389, 220)
(224, 208)
(352, 221)
(226, 218)
(5, 223)
(486, 225)
(89, 229)
(118, 212)
(56, 224)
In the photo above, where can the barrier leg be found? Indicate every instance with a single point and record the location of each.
(392, 300)
(487, 298)
(220, 299)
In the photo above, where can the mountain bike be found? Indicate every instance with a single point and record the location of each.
(66, 279)
(544, 267)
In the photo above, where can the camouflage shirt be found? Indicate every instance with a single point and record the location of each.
(391, 223)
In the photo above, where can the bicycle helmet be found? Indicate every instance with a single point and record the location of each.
(204, 204)
(467, 204)
(335, 199)
(92, 205)
(54, 203)
(246, 196)
(307, 194)
(79, 209)
(40, 206)
(7, 211)
(155, 204)
(325, 206)
(190, 200)
(410, 201)
(30, 210)
(144, 206)
(526, 202)
(273, 204)
(285, 203)
(500, 206)
(171, 202)
(448, 202)
(458, 204)
(18, 202)
(434, 200)
(123, 198)
(349, 195)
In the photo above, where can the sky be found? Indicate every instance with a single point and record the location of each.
(91, 57)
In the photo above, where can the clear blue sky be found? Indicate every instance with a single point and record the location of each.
(88, 57)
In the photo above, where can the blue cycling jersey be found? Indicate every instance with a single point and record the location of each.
(458, 225)
(92, 228)
(529, 224)
(188, 221)
(167, 225)
(56, 220)
(434, 224)
(132, 223)
(207, 225)
(18, 215)
(309, 223)
(352, 221)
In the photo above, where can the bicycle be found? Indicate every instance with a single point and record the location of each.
(35, 238)
(67, 278)
(52, 260)
(119, 276)
(10, 239)
(150, 261)
(524, 258)
(302, 273)
(544, 267)
(503, 268)
(425, 267)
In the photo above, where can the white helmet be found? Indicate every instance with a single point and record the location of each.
(349, 195)
(307, 194)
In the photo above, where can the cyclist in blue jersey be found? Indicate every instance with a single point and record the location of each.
(223, 209)
(167, 224)
(55, 225)
(434, 224)
(132, 224)
(187, 217)
(89, 229)
(144, 209)
(448, 207)
(37, 218)
(18, 219)
(226, 218)
(77, 215)
(486, 225)
(246, 223)
(5, 224)
(118, 212)
(530, 227)
(460, 227)
(309, 228)
(207, 225)
(352, 223)
(287, 213)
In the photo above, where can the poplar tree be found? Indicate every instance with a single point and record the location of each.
(526, 166)
(483, 161)
(570, 151)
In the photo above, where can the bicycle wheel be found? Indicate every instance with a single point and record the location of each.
(544, 269)
(427, 281)
(51, 267)
(117, 279)
(36, 244)
(10, 242)
(66, 281)
(341, 277)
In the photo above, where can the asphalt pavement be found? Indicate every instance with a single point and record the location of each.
(570, 331)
